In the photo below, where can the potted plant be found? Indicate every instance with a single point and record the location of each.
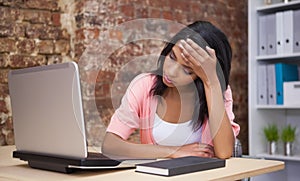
(272, 136)
(288, 136)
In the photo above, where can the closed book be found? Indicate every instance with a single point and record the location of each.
(179, 166)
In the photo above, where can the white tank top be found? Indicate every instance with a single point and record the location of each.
(172, 134)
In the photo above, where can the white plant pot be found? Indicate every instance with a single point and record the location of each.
(272, 147)
(288, 148)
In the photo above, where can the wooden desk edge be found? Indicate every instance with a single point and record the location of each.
(280, 166)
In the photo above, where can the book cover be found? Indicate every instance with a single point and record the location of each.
(284, 73)
(179, 166)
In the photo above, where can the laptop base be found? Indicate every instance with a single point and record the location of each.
(50, 166)
(62, 164)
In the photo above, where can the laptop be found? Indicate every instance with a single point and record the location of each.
(48, 120)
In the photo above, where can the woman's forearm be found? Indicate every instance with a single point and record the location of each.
(220, 126)
(114, 146)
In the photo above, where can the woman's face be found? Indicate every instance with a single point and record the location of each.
(176, 73)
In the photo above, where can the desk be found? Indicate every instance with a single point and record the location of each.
(236, 168)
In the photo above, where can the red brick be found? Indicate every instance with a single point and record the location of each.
(19, 30)
(3, 79)
(45, 47)
(6, 30)
(180, 5)
(55, 19)
(26, 46)
(102, 90)
(53, 59)
(22, 61)
(142, 12)
(97, 76)
(45, 4)
(3, 108)
(127, 10)
(34, 31)
(13, 3)
(168, 15)
(155, 13)
(62, 47)
(7, 45)
(3, 62)
(51, 33)
(37, 16)
(116, 34)
(9, 14)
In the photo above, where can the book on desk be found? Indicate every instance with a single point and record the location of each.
(177, 166)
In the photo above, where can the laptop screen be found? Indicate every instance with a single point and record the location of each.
(47, 110)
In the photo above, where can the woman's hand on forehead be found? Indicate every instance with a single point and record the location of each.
(202, 62)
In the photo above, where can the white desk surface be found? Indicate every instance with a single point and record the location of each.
(236, 168)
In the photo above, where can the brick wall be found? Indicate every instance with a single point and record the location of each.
(34, 32)
(31, 34)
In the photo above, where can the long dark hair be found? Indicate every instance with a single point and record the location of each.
(204, 34)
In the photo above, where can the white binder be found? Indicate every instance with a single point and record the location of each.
(271, 34)
(288, 31)
(279, 32)
(296, 43)
(262, 84)
(262, 37)
(271, 84)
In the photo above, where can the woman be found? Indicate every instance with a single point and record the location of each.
(184, 108)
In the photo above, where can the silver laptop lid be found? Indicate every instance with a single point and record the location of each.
(47, 110)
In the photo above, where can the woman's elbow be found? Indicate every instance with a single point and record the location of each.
(224, 154)
(104, 146)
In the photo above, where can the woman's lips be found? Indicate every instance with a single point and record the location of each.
(167, 79)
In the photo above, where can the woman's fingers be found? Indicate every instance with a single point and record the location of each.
(211, 52)
(206, 148)
(193, 50)
(200, 51)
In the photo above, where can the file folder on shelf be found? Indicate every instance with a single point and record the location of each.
(291, 91)
(296, 43)
(271, 79)
(279, 32)
(271, 34)
(288, 31)
(284, 73)
(262, 84)
(262, 38)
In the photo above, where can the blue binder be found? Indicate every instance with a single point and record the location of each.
(284, 73)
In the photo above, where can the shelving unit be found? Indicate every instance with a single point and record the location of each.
(262, 115)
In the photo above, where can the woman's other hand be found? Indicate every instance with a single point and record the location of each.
(194, 149)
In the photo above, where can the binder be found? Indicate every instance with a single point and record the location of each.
(296, 44)
(298, 72)
(262, 84)
(271, 34)
(284, 73)
(271, 84)
(262, 38)
(279, 32)
(291, 91)
(288, 31)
